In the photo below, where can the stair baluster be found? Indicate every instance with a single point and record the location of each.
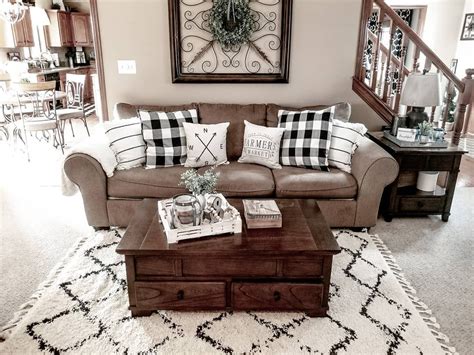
(415, 60)
(367, 7)
(388, 70)
(376, 55)
(401, 74)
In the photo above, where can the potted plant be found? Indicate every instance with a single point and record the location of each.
(449, 125)
(425, 129)
(200, 185)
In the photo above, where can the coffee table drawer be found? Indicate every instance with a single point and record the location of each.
(180, 295)
(310, 268)
(152, 265)
(229, 267)
(276, 296)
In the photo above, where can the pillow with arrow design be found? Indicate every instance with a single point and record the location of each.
(206, 144)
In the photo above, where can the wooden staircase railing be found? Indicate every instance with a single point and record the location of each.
(380, 73)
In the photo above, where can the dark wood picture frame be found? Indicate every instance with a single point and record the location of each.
(178, 76)
(465, 28)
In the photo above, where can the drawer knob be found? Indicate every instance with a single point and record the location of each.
(180, 295)
(420, 204)
(276, 296)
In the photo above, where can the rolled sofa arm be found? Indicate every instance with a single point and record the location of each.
(87, 173)
(374, 169)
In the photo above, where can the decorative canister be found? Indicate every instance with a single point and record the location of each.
(186, 211)
(438, 134)
(427, 180)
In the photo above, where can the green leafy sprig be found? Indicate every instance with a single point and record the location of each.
(199, 184)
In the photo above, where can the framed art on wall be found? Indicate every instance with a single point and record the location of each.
(230, 40)
(468, 28)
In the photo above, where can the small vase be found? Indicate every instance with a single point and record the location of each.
(202, 200)
(424, 139)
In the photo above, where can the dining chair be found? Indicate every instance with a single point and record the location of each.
(3, 119)
(37, 108)
(75, 103)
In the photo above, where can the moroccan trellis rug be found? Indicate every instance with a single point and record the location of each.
(82, 308)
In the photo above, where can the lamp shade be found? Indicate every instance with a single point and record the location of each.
(421, 90)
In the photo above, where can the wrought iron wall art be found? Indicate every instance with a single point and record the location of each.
(230, 40)
(467, 32)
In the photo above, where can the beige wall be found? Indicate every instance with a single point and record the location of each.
(324, 41)
(465, 49)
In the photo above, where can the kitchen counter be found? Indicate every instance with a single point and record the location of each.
(61, 69)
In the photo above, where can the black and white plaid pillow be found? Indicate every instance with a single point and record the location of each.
(307, 138)
(164, 135)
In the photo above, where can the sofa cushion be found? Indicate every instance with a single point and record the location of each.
(235, 180)
(342, 111)
(235, 114)
(244, 180)
(141, 183)
(308, 183)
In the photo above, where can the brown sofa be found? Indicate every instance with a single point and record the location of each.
(346, 200)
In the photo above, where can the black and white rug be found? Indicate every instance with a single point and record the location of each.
(82, 308)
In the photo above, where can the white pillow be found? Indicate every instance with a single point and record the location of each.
(262, 145)
(206, 144)
(126, 141)
(345, 140)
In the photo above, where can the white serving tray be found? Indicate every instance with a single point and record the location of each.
(175, 235)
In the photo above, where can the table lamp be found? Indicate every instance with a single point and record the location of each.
(420, 91)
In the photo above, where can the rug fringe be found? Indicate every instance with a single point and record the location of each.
(8, 328)
(421, 307)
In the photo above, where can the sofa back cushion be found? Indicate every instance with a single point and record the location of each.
(124, 110)
(342, 111)
(235, 114)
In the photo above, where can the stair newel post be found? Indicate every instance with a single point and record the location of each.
(401, 73)
(465, 98)
(376, 56)
(388, 69)
(366, 11)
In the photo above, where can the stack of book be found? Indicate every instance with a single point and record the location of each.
(262, 214)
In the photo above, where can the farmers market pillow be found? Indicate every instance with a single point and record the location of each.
(262, 145)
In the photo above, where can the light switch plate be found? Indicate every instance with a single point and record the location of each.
(127, 67)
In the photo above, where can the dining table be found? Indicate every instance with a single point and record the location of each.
(9, 100)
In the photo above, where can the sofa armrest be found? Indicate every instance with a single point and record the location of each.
(87, 173)
(374, 169)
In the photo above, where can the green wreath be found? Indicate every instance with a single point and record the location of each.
(231, 22)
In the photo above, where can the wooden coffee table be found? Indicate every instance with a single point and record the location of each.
(286, 269)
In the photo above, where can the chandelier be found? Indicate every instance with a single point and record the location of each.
(12, 11)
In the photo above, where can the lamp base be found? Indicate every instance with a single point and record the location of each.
(416, 116)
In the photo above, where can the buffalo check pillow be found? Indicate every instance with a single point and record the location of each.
(307, 138)
(165, 138)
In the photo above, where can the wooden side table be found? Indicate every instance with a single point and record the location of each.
(399, 200)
